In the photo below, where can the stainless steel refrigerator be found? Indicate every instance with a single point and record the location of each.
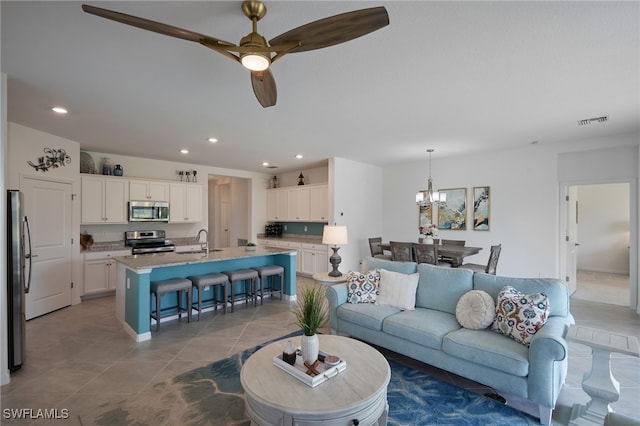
(18, 276)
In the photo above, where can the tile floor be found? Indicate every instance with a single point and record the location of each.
(80, 359)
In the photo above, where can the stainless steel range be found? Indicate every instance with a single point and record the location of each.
(147, 242)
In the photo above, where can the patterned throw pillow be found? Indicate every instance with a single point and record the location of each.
(519, 315)
(363, 288)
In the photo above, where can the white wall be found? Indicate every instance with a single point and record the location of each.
(4, 344)
(603, 228)
(355, 200)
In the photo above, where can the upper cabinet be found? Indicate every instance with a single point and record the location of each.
(305, 203)
(104, 199)
(143, 190)
(185, 203)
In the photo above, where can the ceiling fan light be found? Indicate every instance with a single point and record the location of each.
(255, 62)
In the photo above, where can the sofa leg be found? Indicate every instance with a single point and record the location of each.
(545, 415)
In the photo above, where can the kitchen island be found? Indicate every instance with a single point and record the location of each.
(135, 273)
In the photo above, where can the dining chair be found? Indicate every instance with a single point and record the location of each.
(492, 264)
(375, 245)
(427, 253)
(401, 252)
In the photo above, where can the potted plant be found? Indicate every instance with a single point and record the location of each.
(311, 314)
(86, 240)
(250, 246)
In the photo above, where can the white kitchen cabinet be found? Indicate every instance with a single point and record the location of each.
(305, 203)
(104, 200)
(313, 258)
(318, 203)
(143, 190)
(293, 245)
(100, 272)
(189, 248)
(185, 203)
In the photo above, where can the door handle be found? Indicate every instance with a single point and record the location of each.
(576, 244)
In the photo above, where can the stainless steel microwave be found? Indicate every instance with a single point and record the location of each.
(148, 211)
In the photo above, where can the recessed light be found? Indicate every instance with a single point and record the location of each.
(265, 163)
(212, 140)
(59, 110)
(184, 151)
(299, 156)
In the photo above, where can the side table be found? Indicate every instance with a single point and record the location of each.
(599, 383)
(324, 279)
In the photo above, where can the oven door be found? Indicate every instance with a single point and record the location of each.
(148, 211)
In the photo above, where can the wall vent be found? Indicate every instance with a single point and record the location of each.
(601, 119)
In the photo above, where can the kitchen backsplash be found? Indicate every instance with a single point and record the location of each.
(302, 228)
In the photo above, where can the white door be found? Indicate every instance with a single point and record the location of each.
(571, 239)
(48, 207)
(225, 211)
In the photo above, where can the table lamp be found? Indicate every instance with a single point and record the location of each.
(334, 235)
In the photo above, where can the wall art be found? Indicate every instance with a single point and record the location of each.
(481, 202)
(452, 213)
(52, 159)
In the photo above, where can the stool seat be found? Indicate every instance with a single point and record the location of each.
(160, 288)
(245, 275)
(214, 279)
(268, 273)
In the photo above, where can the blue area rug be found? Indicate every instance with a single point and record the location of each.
(213, 395)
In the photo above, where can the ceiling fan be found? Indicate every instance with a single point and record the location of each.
(253, 51)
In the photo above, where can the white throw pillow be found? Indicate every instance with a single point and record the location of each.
(475, 310)
(398, 290)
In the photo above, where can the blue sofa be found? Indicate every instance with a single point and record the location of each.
(431, 333)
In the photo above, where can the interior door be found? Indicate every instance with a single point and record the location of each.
(48, 206)
(225, 211)
(571, 239)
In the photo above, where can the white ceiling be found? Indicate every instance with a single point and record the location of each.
(458, 77)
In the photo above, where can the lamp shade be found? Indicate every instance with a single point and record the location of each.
(334, 235)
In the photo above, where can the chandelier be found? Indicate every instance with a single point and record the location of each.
(426, 197)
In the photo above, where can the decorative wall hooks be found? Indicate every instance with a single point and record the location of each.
(52, 159)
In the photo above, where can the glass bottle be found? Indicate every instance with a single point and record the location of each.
(106, 167)
(289, 354)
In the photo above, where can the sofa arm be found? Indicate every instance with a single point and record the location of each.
(548, 361)
(336, 296)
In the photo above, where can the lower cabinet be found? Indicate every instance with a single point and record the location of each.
(314, 258)
(100, 273)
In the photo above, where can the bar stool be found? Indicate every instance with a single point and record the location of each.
(214, 280)
(250, 279)
(177, 285)
(267, 274)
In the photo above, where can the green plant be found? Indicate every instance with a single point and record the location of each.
(250, 244)
(311, 312)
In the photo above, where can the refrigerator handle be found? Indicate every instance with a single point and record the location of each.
(28, 255)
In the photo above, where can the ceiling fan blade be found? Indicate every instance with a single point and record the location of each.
(264, 87)
(147, 24)
(335, 29)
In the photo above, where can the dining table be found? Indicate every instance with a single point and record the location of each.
(453, 252)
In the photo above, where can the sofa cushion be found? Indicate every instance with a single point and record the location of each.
(441, 288)
(554, 288)
(365, 314)
(422, 326)
(475, 310)
(362, 287)
(369, 263)
(519, 315)
(397, 289)
(486, 347)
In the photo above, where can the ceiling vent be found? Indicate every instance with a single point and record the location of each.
(601, 119)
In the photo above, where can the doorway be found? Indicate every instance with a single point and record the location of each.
(229, 218)
(602, 236)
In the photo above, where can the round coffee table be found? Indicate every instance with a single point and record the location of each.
(274, 397)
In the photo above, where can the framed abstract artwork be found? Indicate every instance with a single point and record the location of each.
(452, 213)
(426, 215)
(481, 202)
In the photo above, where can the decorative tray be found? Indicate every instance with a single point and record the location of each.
(298, 370)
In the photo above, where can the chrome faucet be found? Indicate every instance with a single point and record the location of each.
(203, 246)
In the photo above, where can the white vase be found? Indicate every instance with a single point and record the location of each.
(310, 347)
(428, 240)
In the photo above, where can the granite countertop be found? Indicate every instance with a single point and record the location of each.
(158, 260)
(297, 238)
